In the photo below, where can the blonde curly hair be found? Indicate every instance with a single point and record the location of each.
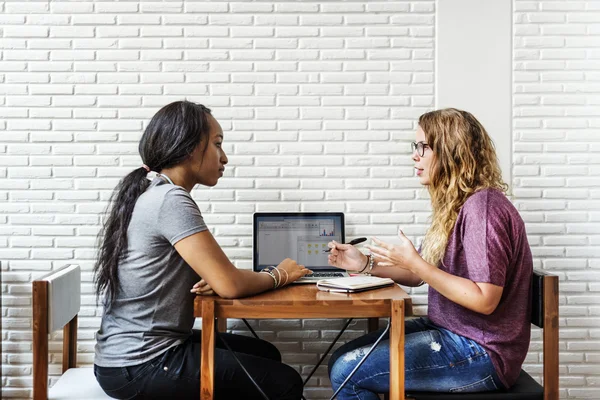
(464, 162)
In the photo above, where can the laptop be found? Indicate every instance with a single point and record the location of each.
(300, 236)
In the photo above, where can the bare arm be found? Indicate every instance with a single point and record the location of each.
(403, 277)
(202, 252)
(479, 297)
(399, 275)
(348, 257)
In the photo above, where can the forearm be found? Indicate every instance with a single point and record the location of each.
(248, 283)
(459, 290)
(399, 275)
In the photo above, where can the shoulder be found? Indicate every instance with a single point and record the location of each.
(490, 204)
(176, 192)
(177, 198)
(160, 196)
(487, 199)
(160, 190)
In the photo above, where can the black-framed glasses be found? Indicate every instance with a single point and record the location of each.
(419, 147)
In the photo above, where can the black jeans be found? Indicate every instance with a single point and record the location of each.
(175, 374)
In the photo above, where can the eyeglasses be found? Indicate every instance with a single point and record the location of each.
(419, 147)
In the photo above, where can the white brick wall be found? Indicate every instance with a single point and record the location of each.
(555, 173)
(318, 101)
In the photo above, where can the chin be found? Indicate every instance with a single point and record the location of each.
(209, 183)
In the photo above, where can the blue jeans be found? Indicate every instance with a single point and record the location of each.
(436, 360)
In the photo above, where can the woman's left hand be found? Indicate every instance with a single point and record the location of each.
(202, 288)
(402, 255)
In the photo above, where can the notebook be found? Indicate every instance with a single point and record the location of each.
(300, 236)
(353, 284)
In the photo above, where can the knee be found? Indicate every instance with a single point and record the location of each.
(268, 350)
(333, 359)
(341, 357)
(339, 369)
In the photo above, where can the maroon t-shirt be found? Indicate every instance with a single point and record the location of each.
(489, 245)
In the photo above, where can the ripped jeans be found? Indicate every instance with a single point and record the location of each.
(436, 360)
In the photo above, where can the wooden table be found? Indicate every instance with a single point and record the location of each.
(305, 301)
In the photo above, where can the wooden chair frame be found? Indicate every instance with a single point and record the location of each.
(550, 334)
(40, 339)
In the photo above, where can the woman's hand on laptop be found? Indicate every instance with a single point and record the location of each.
(346, 256)
(202, 288)
(291, 270)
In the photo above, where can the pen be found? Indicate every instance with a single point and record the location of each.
(352, 242)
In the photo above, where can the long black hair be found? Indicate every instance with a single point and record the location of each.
(169, 139)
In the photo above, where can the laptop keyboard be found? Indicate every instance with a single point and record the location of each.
(325, 275)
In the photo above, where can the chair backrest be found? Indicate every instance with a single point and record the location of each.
(544, 314)
(56, 303)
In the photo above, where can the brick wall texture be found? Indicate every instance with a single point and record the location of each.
(318, 102)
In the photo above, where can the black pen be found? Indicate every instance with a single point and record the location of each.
(352, 242)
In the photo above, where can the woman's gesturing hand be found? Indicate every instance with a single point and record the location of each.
(346, 256)
(290, 271)
(402, 255)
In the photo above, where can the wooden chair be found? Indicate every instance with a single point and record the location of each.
(56, 303)
(544, 314)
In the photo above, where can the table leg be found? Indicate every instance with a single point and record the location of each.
(207, 358)
(372, 324)
(222, 324)
(397, 351)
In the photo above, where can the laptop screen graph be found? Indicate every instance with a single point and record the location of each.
(301, 236)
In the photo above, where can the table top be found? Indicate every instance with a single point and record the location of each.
(305, 301)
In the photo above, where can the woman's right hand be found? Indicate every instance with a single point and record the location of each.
(291, 270)
(346, 256)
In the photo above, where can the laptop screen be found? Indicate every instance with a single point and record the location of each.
(299, 236)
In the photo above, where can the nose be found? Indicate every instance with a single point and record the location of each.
(415, 155)
(224, 159)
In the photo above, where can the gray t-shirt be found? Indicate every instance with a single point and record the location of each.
(153, 308)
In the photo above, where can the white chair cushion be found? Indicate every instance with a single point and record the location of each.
(77, 383)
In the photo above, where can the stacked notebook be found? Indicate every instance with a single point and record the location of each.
(353, 284)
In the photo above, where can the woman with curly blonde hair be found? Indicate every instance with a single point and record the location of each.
(477, 262)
